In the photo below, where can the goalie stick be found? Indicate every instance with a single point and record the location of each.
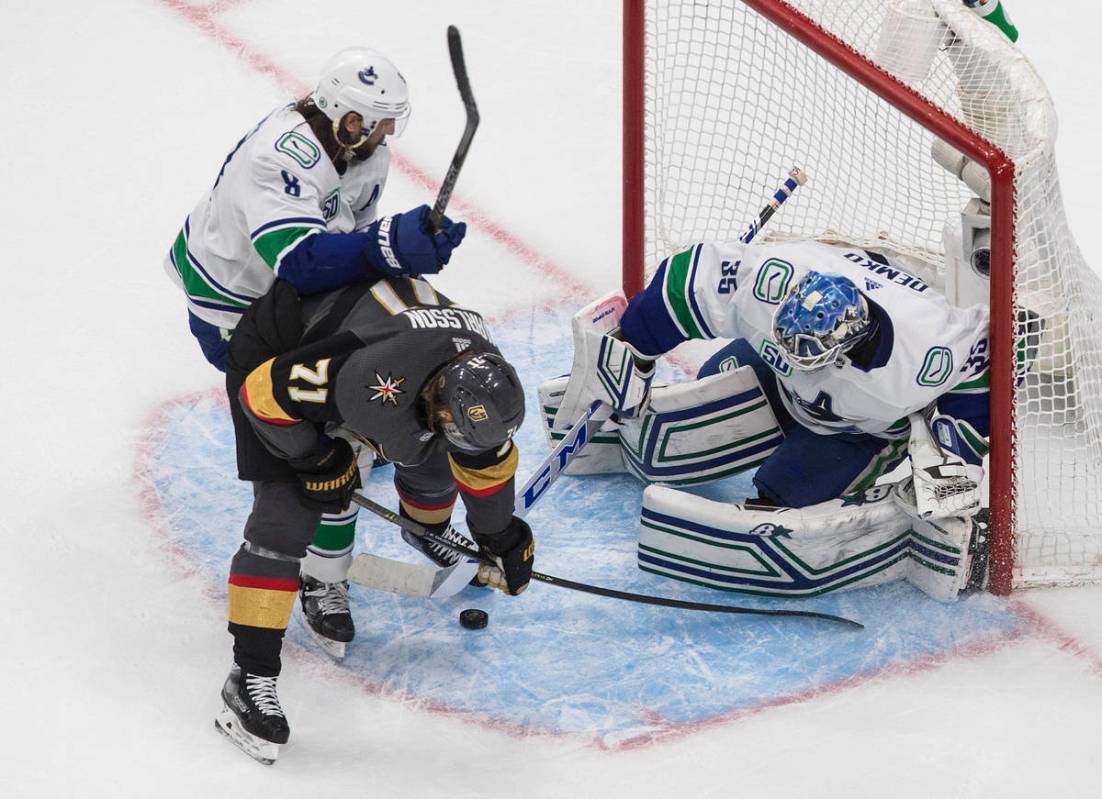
(375, 571)
(421, 532)
(796, 178)
(459, 67)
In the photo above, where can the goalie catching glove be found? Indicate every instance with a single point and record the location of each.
(941, 485)
(327, 476)
(514, 551)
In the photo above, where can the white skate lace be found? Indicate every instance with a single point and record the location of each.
(332, 597)
(453, 535)
(262, 691)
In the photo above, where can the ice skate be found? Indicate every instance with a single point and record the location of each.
(325, 614)
(251, 716)
(440, 555)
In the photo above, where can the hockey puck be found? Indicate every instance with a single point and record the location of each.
(474, 619)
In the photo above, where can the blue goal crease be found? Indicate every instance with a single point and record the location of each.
(559, 661)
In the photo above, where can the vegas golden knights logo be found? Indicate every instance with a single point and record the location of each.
(477, 413)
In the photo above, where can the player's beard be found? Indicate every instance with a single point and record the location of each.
(361, 148)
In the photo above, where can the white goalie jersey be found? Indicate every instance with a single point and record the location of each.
(275, 188)
(924, 346)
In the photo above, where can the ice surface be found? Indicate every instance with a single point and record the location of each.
(118, 520)
(557, 661)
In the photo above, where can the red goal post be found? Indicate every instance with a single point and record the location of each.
(718, 97)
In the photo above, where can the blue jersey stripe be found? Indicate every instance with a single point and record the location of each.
(690, 295)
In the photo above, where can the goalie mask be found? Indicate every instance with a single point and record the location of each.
(822, 317)
(483, 396)
(363, 80)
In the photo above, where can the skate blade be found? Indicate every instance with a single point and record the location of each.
(335, 649)
(258, 749)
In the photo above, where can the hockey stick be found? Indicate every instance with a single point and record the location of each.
(375, 571)
(395, 576)
(459, 67)
(796, 178)
(419, 531)
(572, 443)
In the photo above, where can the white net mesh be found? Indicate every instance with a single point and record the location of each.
(732, 102)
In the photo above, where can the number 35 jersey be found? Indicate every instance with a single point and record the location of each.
(923, 347)
(275, 188)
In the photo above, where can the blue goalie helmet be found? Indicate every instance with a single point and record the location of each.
(822, 317)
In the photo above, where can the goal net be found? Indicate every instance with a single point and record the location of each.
(722, 98)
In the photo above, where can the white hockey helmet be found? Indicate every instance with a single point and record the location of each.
(363, 80)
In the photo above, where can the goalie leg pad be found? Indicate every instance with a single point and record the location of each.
(809, 468)
(940, 558)
(330, 553)
(855, 541)
(702, 430)
(601, 454)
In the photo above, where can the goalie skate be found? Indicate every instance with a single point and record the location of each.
(257, 706)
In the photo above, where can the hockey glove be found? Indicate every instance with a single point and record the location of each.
(402, 244)
(327, 476)
(513, 550)
(941, 483)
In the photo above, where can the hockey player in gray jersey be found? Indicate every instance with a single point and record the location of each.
(298, 199)
(398, 367)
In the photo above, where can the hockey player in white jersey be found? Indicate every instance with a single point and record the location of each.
(840, 364)
(297, 198)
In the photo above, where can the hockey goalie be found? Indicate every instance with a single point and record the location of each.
(852, 385)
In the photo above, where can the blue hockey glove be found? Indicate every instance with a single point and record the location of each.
(402, 244)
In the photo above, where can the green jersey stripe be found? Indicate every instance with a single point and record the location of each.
(273, 244)
(677, 281)
(194, 283)
(983, 381)
(972, 438)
